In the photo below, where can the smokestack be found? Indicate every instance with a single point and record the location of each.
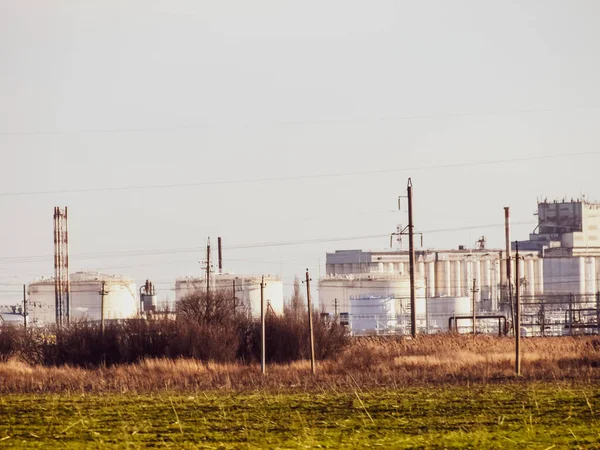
(220, 255)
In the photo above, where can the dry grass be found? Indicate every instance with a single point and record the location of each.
(367, 363)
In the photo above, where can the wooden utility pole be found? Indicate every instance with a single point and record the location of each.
(234, 297)
(25, 306)
(262, 328)
(335, 309)
(208, 267)
(102, 295)
(411, 249)
(598, 312)
(474, 290)
(509, 263)
(517, 313)
(220, 248)
(310, 325)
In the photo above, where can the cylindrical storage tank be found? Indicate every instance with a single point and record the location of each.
(539, 277)
(420, 270)
(467, 278)
(457, 279)
(530, 276)
(486, 275)
(440, 278)
(431, 279)
(590, 276)
(441, 309)
(376, 285)
(120, 299)
(447, 286)
(400, 268)
(477, 277)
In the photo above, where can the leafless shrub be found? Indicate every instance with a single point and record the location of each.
(206, 329)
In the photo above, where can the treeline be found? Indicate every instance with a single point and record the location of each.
(206, 326)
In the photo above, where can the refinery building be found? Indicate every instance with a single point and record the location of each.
(558, 282)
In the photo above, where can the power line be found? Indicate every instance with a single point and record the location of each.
(294, 178)
(206, 125)
(136, 253)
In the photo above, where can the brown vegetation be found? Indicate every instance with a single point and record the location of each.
(366, 363)
(208, 328)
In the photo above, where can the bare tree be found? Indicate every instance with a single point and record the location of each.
(297, 300)
(215, 307)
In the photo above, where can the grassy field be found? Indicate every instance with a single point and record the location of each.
(517, 415)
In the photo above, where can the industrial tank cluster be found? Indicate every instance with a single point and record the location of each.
(120, 298)
(245, 288)
(559, 269)
(92, 291)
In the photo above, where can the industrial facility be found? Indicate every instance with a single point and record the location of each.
(558, 281)
(87, 299)
(245, 288)
(375, 291)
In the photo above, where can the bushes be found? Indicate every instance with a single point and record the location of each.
(206, 329)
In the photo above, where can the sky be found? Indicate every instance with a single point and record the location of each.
(162, 123)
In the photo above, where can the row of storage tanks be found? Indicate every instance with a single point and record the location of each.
(380, 301)
(122, 300)
(453, 277)
(390, 314)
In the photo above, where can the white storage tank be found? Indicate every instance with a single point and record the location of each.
(335, 291)
(247, 290)
(372, 314)
(440, 309)
(120, 300)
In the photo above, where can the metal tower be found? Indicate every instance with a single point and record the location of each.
(62, 286)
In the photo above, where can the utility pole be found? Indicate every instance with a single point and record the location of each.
(335, 309)
(598, 312)
(103, 293)
(517, 314)
(208, 267)
(25, 307)
(474, 290)
(310, 325)
(234, 297)
(262, 327)
(411, 245)
(509, 263)
(426, 307)
(219, 242)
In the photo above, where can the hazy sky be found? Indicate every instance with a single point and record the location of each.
(108, 94)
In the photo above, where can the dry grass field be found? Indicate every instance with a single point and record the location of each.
(432, 392)
(365, 363)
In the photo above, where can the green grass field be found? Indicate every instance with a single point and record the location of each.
(489, 416)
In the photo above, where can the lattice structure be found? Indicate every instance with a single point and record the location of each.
(62, 286)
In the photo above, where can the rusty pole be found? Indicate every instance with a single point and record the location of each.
(263, 358)
(411, 245)
(310, 325)
(208, 267)
(509, 264)
(220, 255)
(517, 315)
